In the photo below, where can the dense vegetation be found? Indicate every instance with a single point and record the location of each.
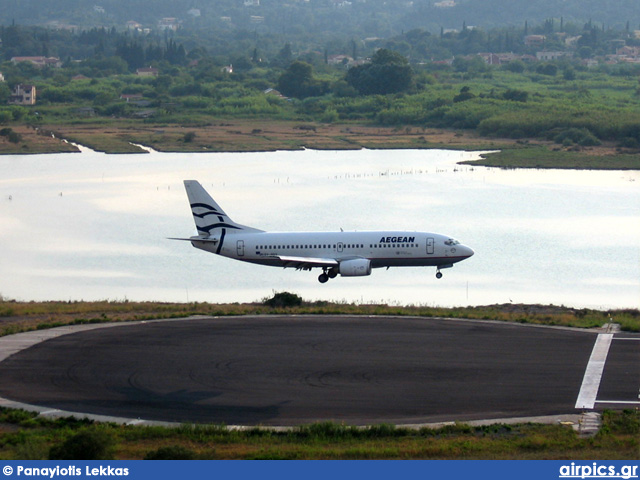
(592, 107)
(393, 82)
(317, 18)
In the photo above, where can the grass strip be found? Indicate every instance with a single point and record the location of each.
(25, 436)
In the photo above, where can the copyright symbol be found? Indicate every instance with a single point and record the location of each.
(8, 470)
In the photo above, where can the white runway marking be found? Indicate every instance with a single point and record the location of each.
(619, 402)
(593, 373)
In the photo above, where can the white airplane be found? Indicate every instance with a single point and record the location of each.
(350, 254)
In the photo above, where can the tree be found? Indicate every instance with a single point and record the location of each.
(84, 445)
(388, 72)
(283, 299)
(585, 52)
(102, 99)
(162, 83)
(465, 94)
(5, 92)
(473, 65)
(547, 69)
(385, 56)
(515, 66)
(297, 81)
(569, 73)
(515, 95)
(255, 57)
(5, 117)
(132, 53)
(284, 56)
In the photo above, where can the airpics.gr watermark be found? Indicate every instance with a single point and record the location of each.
(598, 471)
(66, 471)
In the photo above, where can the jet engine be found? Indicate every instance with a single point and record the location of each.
(358, 267)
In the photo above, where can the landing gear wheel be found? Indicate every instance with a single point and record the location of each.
(438, 274)
(323, 278)
(333, 273)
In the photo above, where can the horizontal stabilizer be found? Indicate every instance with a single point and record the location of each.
(196, 239)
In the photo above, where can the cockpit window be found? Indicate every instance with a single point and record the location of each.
(451, 242)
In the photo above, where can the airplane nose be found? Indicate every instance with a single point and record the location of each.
(468, 252)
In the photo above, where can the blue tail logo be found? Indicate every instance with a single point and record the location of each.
(202, 210)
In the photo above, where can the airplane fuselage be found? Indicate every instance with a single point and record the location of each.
(381, 248)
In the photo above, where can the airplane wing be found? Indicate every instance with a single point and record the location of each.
(306, 263)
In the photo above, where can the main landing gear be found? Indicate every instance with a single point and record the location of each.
(327, 274)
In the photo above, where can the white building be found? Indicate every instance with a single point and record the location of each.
(23, 95)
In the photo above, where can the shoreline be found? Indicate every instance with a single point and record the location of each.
(258, 136)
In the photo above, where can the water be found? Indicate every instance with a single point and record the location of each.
(91, 226)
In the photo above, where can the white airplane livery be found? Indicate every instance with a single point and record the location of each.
(349, 254)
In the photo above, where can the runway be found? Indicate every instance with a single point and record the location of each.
(291, 370)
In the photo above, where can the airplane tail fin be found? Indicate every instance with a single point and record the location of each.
(207, 214)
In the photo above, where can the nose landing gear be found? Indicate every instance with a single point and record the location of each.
(440, 267)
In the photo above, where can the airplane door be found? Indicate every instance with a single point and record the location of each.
(430, 246)
(240, 246)
(340, 246)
